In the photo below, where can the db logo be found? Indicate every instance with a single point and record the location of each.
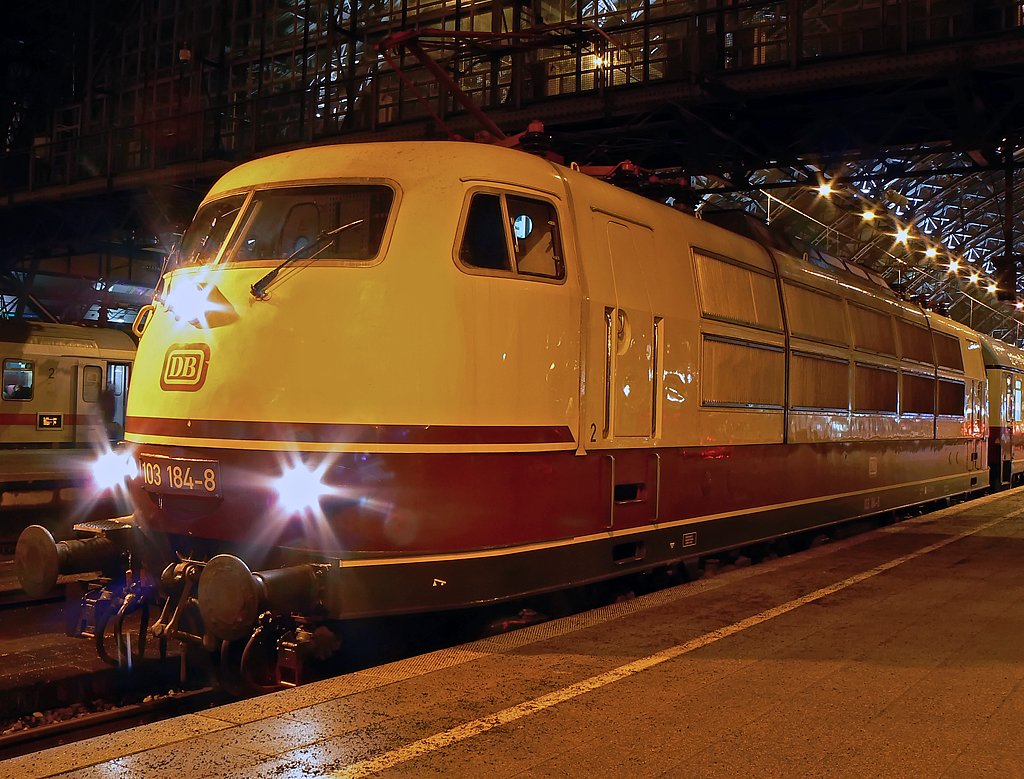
(185, 367)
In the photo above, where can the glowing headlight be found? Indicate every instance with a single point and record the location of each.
(112, 469)
(300, 488)
(189, 301)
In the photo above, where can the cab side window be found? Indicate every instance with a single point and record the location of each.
(483, 243)
(514, 234)
(18, 378)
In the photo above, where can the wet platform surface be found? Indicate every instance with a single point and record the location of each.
(896, 653)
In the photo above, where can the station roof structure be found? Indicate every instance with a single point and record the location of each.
(122, 113)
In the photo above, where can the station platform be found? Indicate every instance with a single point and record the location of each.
(899, 652)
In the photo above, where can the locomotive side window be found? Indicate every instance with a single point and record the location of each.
(951, 398)
(872, 330)
(483, 242)
(337, 222)
(874, 389)
(917, 395)
(818, 382)
(947, 351)
(743, 375)
(815, 316)
(535, 237)
(736, 293)
(205, 236)
(915, 342)
(1017, 397)
(18, 379)
(513, 234)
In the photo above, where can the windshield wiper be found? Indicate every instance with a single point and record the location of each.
(259, 289)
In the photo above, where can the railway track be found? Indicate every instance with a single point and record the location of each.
(39, 737)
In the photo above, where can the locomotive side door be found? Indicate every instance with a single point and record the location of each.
(629, 335)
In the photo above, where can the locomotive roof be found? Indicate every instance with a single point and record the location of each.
(415, 162)
(407, 161)
(76, 336)
(999, 354)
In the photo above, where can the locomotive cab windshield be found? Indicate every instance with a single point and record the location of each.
(346, 222)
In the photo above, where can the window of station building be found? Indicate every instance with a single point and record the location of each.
(872, 330)
(875, 389)
(513, 234)
(745, 375)
(818, 382)
(18, 380)
(814, 315)
(917, 394)
(915, 342)
(335, 222)
(951, 398)
(737, 293)
(947, 351)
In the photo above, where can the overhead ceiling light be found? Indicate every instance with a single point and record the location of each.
(824, 189)
(974, 278)
(992, 287)
(954, 266)
(931, 252)
(868, 216)
(902, 234)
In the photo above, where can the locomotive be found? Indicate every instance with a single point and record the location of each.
(390, 378)
(63, 393)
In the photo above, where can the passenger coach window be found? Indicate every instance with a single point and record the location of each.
(92, 380)
(336, 222)
(513, 234)
(17, 380)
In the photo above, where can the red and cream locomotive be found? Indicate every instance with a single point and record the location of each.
(390, 378)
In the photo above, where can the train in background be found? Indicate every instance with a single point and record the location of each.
(1004, 368)
(409, 377)
(63, 399)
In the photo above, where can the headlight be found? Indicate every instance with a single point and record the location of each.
(198, 301)
(300, 487)
(112, 469)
